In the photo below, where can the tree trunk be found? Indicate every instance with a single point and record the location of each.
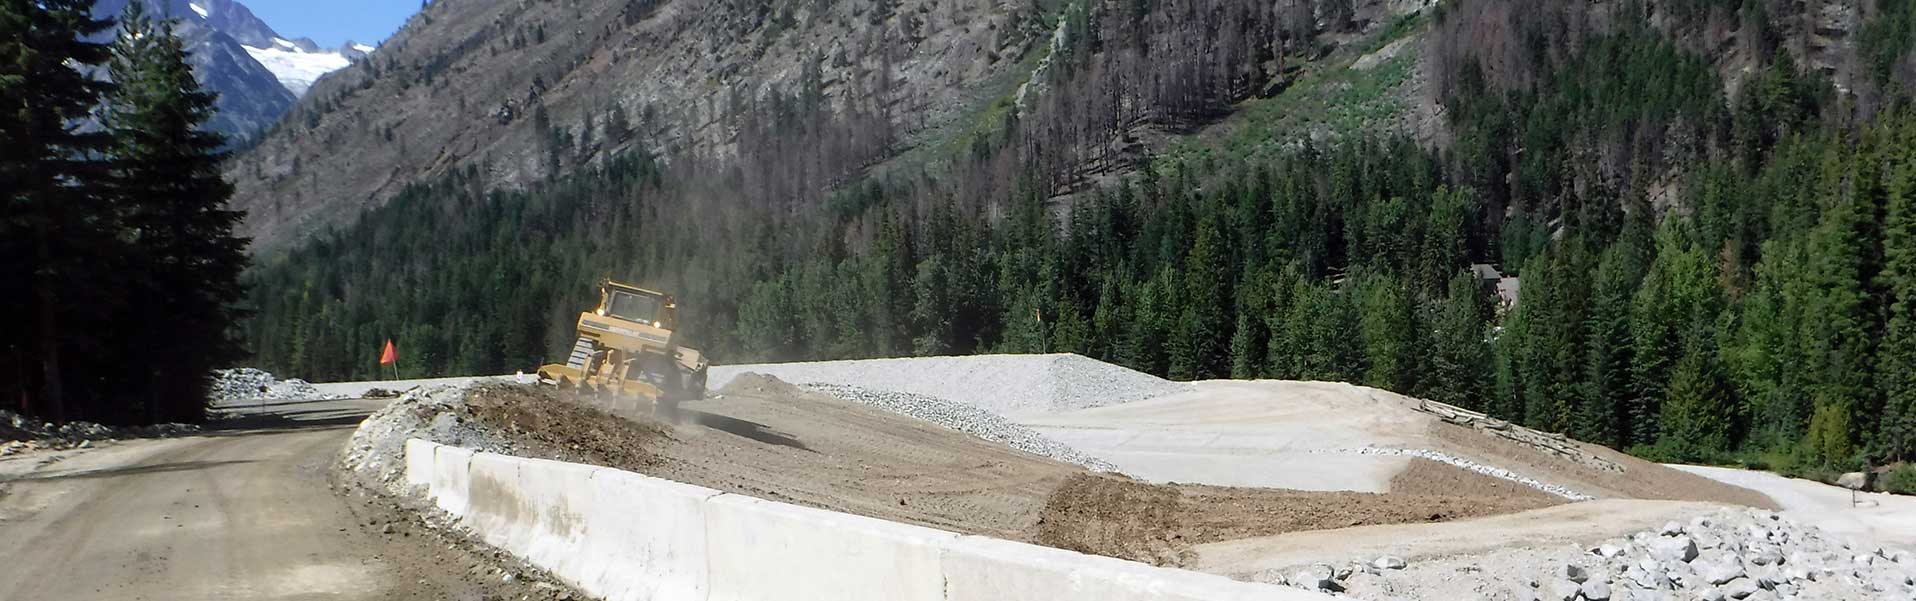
(52, 402)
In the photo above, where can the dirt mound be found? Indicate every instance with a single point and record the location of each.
(537, 418)
(1426, 477)
(1159, 524)
(1637, 479)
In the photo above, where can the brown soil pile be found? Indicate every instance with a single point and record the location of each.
(1426, 477)
(1639, 479)
(539, 419)
(1120, 517)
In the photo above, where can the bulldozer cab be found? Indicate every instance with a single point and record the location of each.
(637, 305)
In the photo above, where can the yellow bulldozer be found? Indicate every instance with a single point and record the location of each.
(628, 348)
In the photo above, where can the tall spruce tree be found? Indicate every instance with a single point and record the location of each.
(166, 179)
(1459, 354)
(1896, 359)
(54, 233)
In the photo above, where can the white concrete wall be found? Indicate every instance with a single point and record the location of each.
(628, 537)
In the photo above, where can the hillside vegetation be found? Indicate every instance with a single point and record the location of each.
(1708, 204)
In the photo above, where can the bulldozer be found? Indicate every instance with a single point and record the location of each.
(628, 348)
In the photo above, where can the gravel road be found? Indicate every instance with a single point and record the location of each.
(243, 511)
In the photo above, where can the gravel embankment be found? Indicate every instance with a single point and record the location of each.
(968, 419)
(1747, 554)
(376, 454)
(1002, 384)
(249, 384)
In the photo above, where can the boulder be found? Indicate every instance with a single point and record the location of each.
(1673, 548)
(1319, 577)
(1561, 590)
(1670, 529)
(1607, 551)
(1740, 588)
(1719, 572)
(1596, 590)
(1389, 562)
(1853, 480)
(1573, 573)
(1644, 578)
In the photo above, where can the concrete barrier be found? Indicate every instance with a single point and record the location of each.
(628, 537)
(647, 539)
(762, 549)
(419, 458)
(978, 568)
(449, 478)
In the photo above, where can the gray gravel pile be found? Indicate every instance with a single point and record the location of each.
(965, 418)
(20, 434)
(1003, 384)
(376, 454)
(1732, 554)
(249, 384)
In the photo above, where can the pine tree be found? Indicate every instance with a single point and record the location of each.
(1696, 418)
(1606, 384)
(1203, 329)
(1384, 314)
(1896, 360)
(1459, 354)
(54, 231)
(166, 174)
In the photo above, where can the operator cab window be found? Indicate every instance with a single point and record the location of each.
(634, 307)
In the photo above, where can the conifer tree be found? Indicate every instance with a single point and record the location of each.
(54, 231)
(1896, 360)
(1459, 354)
(166, 177)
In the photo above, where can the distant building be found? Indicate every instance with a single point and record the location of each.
(1506, 288)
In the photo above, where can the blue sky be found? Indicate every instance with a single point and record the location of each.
(333, 22)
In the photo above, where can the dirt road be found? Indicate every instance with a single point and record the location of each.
(241, 512)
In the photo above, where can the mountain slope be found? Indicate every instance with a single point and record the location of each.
(500, 85)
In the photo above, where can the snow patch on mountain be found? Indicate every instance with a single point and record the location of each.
(295, 69)
(199, 9)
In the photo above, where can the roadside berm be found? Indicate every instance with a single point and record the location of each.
(1325, 487)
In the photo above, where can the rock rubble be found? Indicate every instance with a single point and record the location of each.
(20, 434)
(1728, 555)
(376, 453)
(249, 384)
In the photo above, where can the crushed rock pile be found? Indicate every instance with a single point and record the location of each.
(249, 384)
(1003, 384)
(968, 419)
(1730, 555)
(376, 454)
(20, 434)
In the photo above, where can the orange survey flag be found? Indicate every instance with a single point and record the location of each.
(390, 355)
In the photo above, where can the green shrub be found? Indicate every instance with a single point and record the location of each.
(1901, 479)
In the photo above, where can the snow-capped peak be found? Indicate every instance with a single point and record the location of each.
(364, 48)
(295, 69)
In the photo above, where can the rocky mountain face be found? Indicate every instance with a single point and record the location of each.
(257, 73)
(499, 83)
